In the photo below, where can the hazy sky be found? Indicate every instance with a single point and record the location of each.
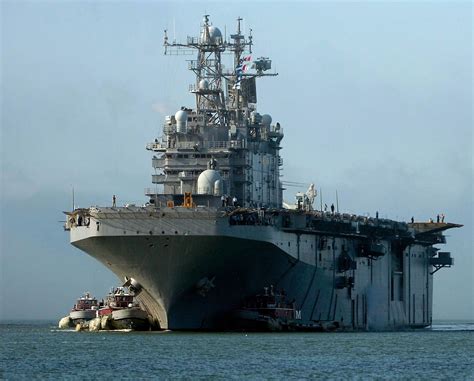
(375, 99)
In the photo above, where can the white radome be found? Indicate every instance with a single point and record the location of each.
(207, 180)
(181, 120)
(181, 116)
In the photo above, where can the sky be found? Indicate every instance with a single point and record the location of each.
(375, 99)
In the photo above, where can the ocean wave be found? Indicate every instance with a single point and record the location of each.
(453, 327)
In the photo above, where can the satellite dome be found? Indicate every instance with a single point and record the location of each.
(214, 34)
(181, 117)
(266, 119)
(206, 181)
(213, 37)
(203, 84)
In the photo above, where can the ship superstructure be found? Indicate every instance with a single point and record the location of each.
(214, 232)
(224, 133)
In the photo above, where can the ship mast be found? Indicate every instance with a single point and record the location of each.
(238, 48)
(207, 68)
(210, 76)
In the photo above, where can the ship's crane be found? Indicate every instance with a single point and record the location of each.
(304, 201)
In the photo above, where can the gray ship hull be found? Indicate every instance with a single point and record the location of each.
(195, 277)
(194, 282)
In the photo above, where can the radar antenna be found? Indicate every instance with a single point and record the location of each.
(218, 103)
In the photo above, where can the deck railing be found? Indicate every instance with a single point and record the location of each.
(224, 144)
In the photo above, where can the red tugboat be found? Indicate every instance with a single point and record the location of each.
(123, 312)
(84, 310)
(270, 311)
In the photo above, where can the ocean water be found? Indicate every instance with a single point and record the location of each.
(38, 350)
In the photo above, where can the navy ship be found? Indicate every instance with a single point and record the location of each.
(215, 231)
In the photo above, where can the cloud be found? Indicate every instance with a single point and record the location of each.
(160, 107)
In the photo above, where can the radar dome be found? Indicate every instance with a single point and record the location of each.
(266, 119)
(206, 181)
(181, 118)
(203, 84)
(214, 34)
(213, 37)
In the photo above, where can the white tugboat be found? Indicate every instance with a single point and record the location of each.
(84, 310)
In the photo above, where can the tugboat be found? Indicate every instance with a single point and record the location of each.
(84, 310)
(121, 311)
(270, 311)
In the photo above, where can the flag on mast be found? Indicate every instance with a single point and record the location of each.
(240, 69)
